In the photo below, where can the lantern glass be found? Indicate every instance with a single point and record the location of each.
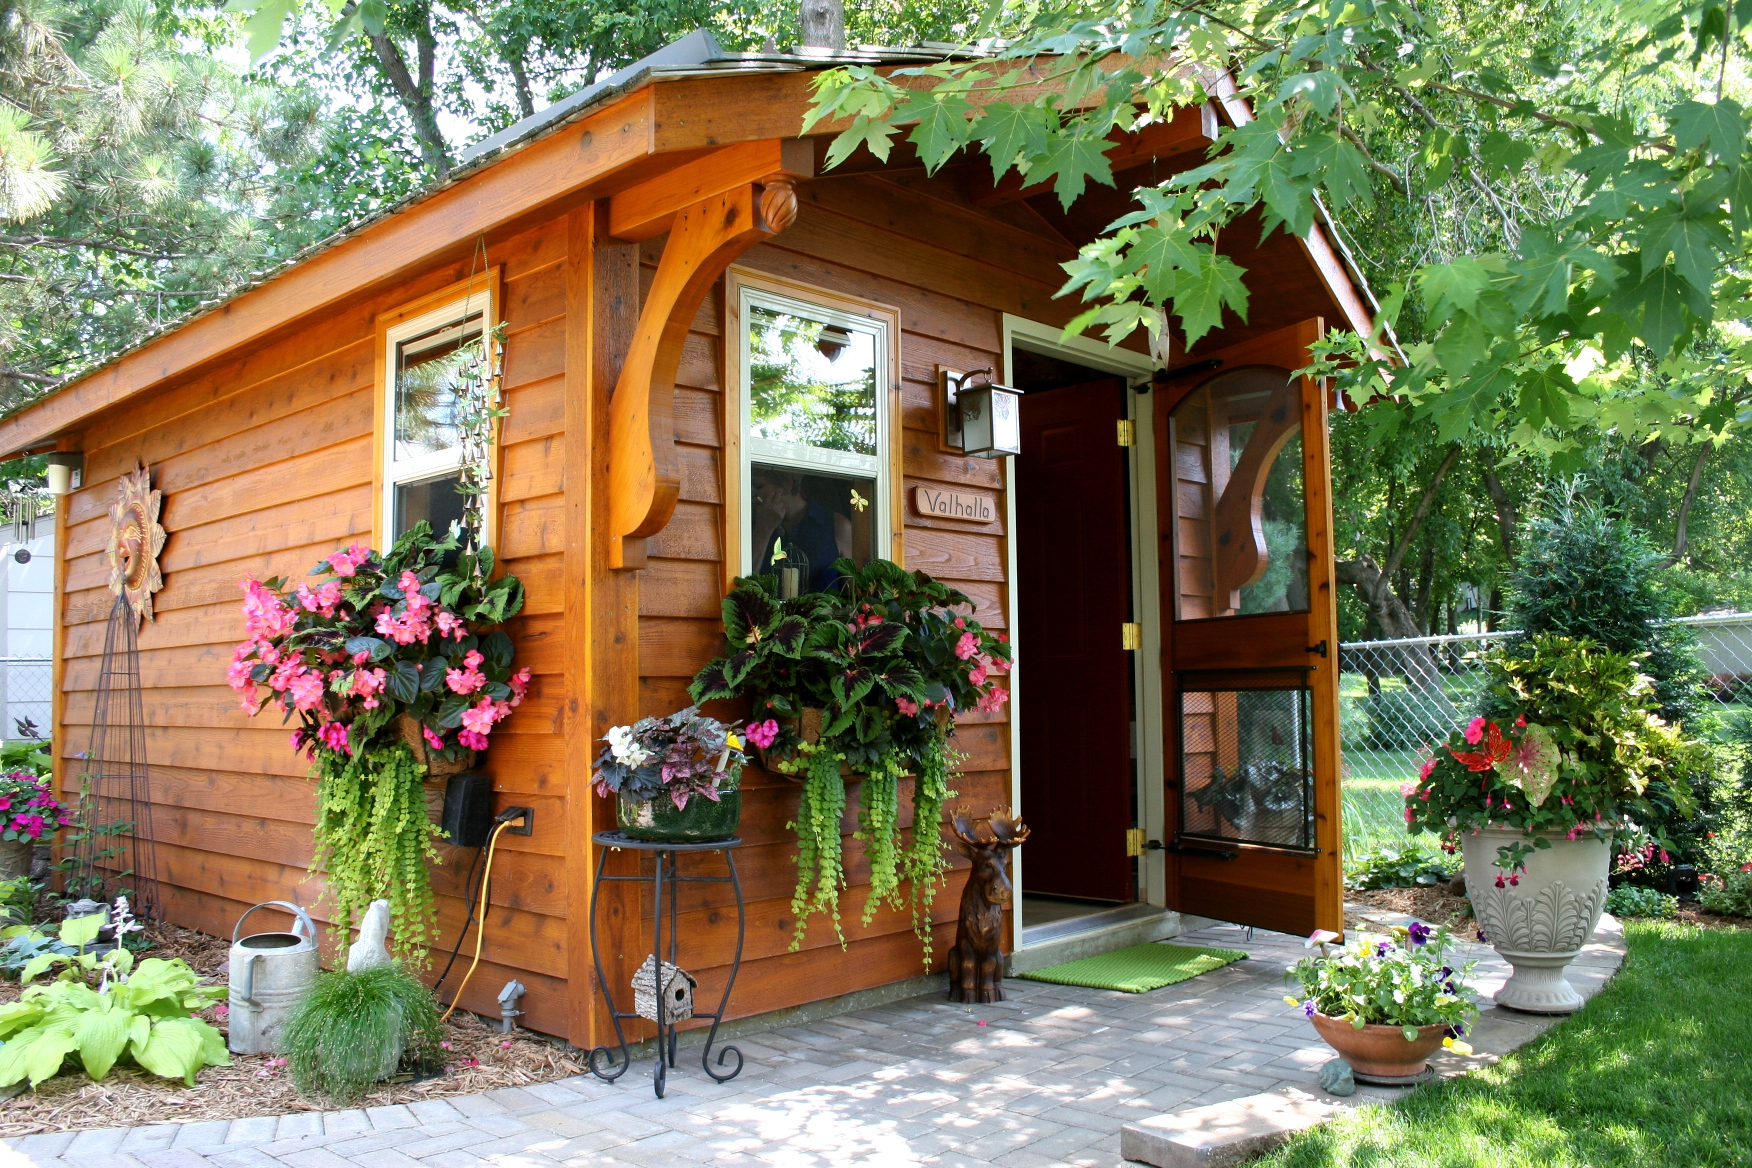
(991, 421)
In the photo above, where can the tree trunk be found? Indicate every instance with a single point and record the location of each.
(1388, 613)
(416, 95)
(1505, 509)
(824, 24)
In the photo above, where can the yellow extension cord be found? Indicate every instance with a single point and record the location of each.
(481, 926)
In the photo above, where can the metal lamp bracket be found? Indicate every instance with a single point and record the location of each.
(949, 385)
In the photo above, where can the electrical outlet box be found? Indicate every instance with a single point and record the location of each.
(523, 826)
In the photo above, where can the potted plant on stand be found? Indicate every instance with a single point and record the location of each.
(678, 778)
(1386, 1003)
(860, 683)
(396, 671)
(1534, 791)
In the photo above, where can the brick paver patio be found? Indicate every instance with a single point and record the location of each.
(1046, 1078)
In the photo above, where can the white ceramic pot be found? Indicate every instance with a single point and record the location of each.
(1540, 924)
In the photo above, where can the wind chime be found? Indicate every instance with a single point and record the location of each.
(114, 853)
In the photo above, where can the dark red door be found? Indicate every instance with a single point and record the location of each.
(1074, 580)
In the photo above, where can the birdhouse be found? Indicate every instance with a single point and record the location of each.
(677, 991)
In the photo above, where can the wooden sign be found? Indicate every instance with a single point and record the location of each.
(946, 504)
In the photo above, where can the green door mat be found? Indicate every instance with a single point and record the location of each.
(1137, 969)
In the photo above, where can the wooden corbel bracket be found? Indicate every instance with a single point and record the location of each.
(705, 237)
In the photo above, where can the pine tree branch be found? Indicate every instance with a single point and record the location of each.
(65, 243)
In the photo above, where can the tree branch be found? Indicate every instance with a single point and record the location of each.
(33, 378)
(416, 96)
(65, 242)
(1397, 555)
(1681, 539)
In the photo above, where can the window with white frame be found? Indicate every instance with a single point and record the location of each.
(814, 462)
(427, 360)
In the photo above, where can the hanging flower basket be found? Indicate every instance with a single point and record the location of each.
(413, 734)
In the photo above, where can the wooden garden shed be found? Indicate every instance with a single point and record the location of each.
(656, 246)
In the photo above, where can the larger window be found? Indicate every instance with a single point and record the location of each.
(425, 359)
(815, 407)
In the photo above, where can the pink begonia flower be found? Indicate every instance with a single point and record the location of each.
(908, 707)
(469, 678)
(252, 703)
(763, 734)
(471, 740)
(976, 674)
(959, 623)
(285, 674)
(237, 673)
(1429, 765)
(367, 684)
(479, 718)
(347, 563)
(433, 740)
(519, 685)
(967, 646)
(323, 600)
(993, 700)
(334, 736)
(1405, 789)
(1475, 731)
(449, 624)
(264, 616)
(306, 690)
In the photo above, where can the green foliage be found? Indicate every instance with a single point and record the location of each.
(1590, 759)
(1629, 900)
(1651, 1073)
(923, 863)
(143, 1014)
(1610, 230)
(1396, 866)
(30, 755)
(355, 1029)
(1403, 980)
(1586, 573)
(374, 840)
(820, 867)
(1407, 719)
(1730, 895)
(879, 828)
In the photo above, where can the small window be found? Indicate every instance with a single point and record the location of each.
(422, 451)
(814, 440)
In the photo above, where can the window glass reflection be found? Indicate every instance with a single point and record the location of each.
(428, 373)
(802, 523)
(810, 382)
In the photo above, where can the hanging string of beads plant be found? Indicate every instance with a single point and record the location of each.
(867, 678)
(479, 409)
(394, 667)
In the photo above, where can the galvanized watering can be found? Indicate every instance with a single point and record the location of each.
(270, 972)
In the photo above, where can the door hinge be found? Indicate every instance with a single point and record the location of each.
(1131, 635)
(1128, 432)
(1134, 841)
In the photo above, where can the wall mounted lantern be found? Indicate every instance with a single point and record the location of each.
(66, 468)
(981, 421)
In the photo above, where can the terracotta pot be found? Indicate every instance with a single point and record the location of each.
(15, 858)
(1378, 1051)
(1540, 923)
(435, 768)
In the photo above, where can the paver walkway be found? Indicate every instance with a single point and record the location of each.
(1046, 1078)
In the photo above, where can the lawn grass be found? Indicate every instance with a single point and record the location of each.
(1655, 1071)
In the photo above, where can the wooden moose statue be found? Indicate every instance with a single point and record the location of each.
(976, 963)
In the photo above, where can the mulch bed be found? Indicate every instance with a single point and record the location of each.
(1433, 903)
(479, 1058)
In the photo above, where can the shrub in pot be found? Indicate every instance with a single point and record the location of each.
(678, 778)
(1536, 790)
(1385, 1003)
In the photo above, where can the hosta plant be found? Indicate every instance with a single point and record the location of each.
(1404, 979)
(104, 1009)
(1569, 745)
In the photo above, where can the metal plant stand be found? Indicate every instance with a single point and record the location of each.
(601, 1061)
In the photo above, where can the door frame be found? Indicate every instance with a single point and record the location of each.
(1035, 337)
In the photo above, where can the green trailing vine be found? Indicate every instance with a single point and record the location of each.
(879, 828)
(820, 870)
(922, 864)
(374, 840)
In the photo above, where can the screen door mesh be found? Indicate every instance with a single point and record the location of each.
(1246, 766)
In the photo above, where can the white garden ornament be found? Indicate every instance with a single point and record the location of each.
(369, 951)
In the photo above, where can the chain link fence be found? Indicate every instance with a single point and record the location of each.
(26, 689)
(1397, 697)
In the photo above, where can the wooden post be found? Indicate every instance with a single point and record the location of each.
(602, 606)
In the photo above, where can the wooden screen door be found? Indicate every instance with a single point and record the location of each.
(1074, 581)
(1249, 645)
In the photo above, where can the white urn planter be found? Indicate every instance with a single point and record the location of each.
(1540, 924)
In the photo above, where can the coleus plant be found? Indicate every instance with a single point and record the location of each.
(376, 636)
(1568, 745)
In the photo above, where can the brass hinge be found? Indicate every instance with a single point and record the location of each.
(1128, 432)
(1134, 841)
(1131, 635)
